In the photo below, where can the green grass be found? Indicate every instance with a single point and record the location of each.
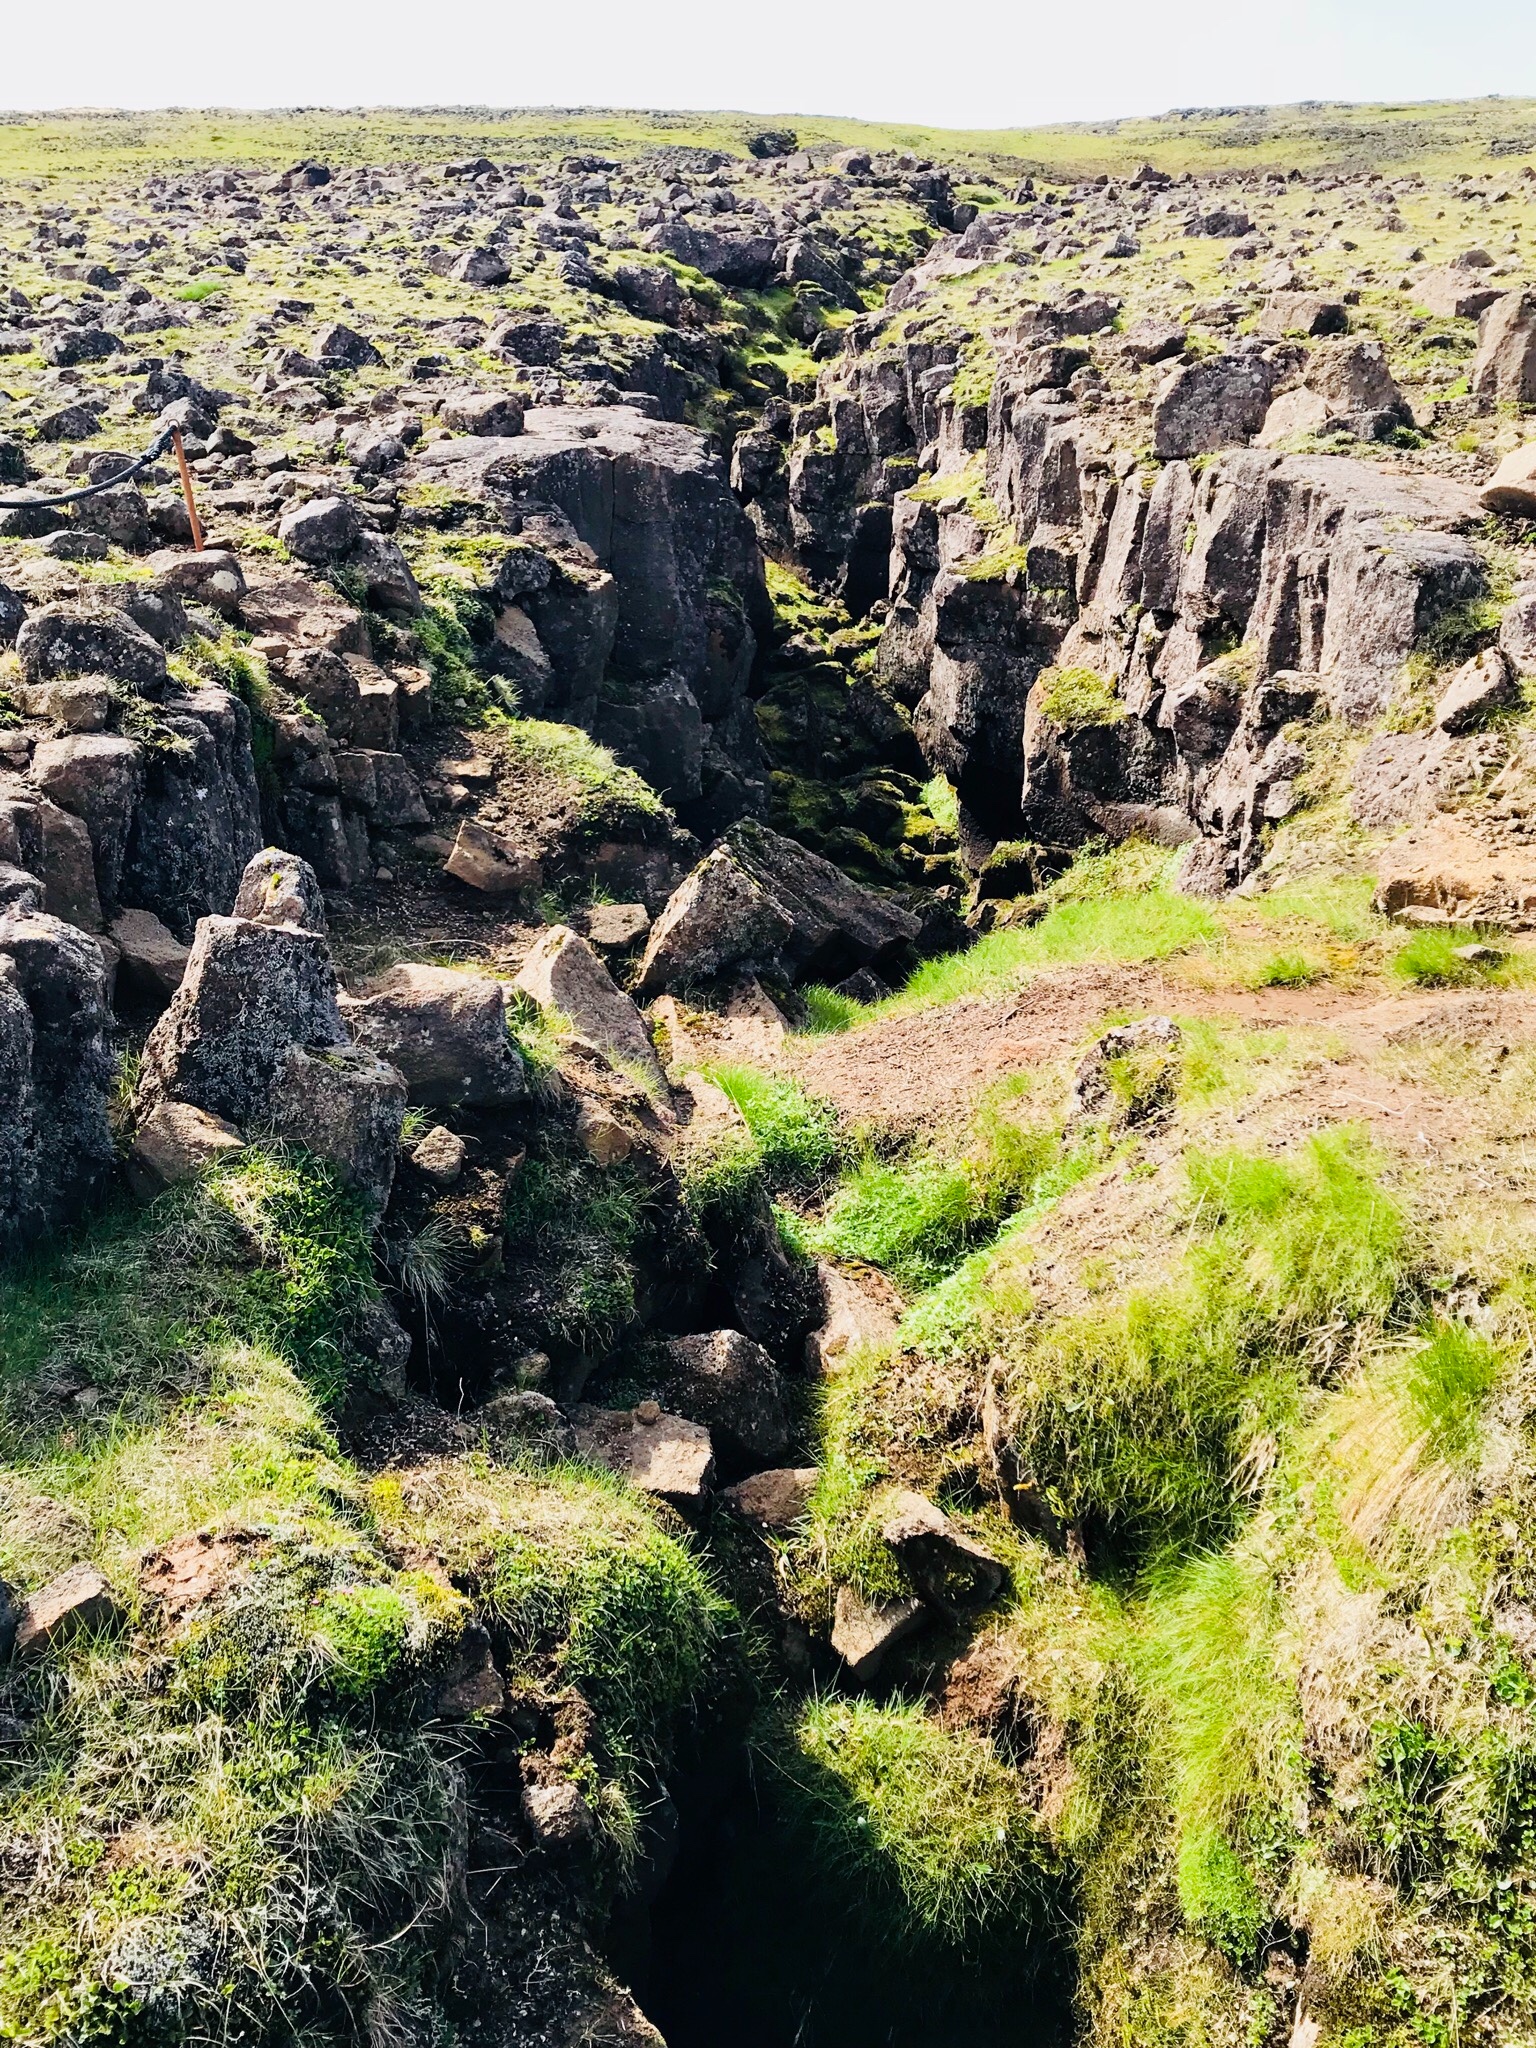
(576, 1579)
(788, 1144)
(1128, 929)
(1223, 1713)
(827, 1011)
(916, 1218)
(1288, 970)
(1154, 1412)
(919, 1826)
(612, 799)
(1431, 959)
(583, 1228)
(1076, 697)
(248, 1830)
(211, 1803)
(1447, 1381)
(942, 804)
(796, 1136)
(136, 1295)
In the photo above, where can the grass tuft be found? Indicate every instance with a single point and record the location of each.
(1154, 1413)
(916, 1218)
(1433, 958)
(920, 1825)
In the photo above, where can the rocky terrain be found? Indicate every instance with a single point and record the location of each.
(766, 1082)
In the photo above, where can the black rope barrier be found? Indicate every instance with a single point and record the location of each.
(31, 499)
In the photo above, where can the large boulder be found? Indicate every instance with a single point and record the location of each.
(280, 888)
(946, 1566)
(56, 1071)
(730, 1384)
(1479, 688)
(739, 259)
(483, 860)
(1347, 386)
(198, 818)
(322, 530)
(483, 413)
(41, 838)
(1218, 403)
(250, 993)
(381, 567)
(718, 918)
(99, 777)
(1512, 487)
(446, 1031)
(1455, 292)
(1332, 567)
(1517, 633)
(80, 640)
(663, 591)
(214, 578)
(347, 1106)
(760, 903)
(1354, 376)
(79, 1602)
(344, 348)
(563, 974)
(865, 1630)
(151, 959)
(176, 1142)
(1504, 369)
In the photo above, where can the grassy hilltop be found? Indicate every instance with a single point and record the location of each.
(1438, 137)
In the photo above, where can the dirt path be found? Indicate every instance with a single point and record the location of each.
(926, 1066)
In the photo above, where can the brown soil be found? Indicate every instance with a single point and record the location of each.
(925, 1066)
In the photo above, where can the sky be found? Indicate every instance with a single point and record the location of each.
(980, 64)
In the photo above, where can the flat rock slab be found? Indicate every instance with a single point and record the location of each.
(660, 1453)
(563, 974)
(76, 1602)
(774, 1500)
(864, 1630)
(605, 432)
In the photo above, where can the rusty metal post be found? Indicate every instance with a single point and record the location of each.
(186, 491)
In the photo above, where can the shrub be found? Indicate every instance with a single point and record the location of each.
(1218, 1895)
(459, 691)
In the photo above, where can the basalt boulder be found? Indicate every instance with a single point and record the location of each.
(446, 1032)
(760, 903)
(56, 1072)
(250, 993)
